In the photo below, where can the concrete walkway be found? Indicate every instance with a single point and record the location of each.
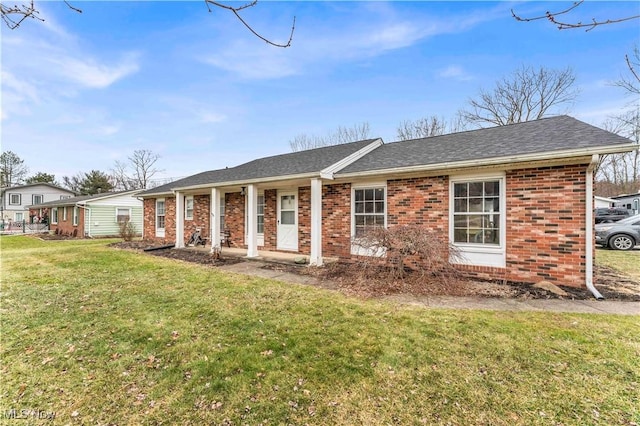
(255, 268)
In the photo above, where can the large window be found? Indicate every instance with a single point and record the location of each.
(261, 214)
(15, 199)
(123, 214)
(160, 212)
(37, 199)
(476, 212)
(368, 209)
(188, 208)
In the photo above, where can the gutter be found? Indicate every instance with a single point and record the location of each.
(86, 232)
(539, 156)
(589, 229)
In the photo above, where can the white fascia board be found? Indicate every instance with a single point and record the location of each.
(526, 158)
(248, 181)
(328, 172)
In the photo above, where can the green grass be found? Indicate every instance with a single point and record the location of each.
(103, 336)
(627, 262)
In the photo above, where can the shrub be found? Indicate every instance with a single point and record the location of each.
(408, 247)
(127, 230)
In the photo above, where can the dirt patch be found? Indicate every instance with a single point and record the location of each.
(350, 279)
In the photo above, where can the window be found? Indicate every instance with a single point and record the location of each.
(476, 212)
(261, 214)
(54, 215)
(64, 197)
(15, 199)
(188, 208)
(123, 214)
(19, 217)
(37, 199)
(64, 214)
(368, 209)
(222, 211)
(75, 215)
(160, 212)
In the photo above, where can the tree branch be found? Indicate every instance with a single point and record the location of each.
(236, 10)
(561, 25)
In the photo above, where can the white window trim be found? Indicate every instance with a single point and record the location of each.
(19, 199)
(21, 217)
(481, 254)
(160, 232)
(246, 220)
(64, 214)
(357, 249)
(186, 210)
(54, 209)
(33, 198)
(76, 215)
(122, 208)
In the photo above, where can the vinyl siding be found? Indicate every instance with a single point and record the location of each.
(100, 220)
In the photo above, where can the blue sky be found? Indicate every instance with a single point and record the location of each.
(80, 91)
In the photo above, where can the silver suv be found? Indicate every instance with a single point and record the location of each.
(621, 235)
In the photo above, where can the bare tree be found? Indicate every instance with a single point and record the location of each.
(565, 25)
(12, 169)
(14, 15)
(620, 173)
(137, 173)
(427, 127)
(528, 94)
(341, 135)
(631, 83)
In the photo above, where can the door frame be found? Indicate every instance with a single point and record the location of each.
(294, 245)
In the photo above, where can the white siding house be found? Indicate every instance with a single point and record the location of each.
(17, 199)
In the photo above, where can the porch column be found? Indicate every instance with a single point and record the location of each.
(316, 222)
(214, 210)
(179, 219)
(252, 221)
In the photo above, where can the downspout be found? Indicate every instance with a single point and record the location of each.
(589, 228)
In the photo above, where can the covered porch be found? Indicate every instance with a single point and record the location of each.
(263, 255)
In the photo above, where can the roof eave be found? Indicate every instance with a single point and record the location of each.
(526, 158)
(246, 182)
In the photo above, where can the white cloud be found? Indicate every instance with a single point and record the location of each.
(455, 72)
(92, 74)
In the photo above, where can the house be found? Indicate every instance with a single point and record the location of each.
(98, 215)
(628, 201)
(16, 199)
(517, 200)
(603, 202)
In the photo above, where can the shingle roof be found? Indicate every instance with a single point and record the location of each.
(28, 185)
(539, 136)
(295, 163)
(80, 199)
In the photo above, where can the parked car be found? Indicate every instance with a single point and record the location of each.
(621, 235)
(608, 215)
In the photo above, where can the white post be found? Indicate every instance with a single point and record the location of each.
(179, 220)
(252, 221)
(316, 222)
(214, 218)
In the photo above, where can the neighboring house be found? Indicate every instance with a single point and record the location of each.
(98, 215)
(603, 202)
(628, 201)
(516, 200)
(16, 200)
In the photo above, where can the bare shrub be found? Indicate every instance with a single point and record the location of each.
(127, 230)
(407, 248)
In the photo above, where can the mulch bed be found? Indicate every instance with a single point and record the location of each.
(351, 279)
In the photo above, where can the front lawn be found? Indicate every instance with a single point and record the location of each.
(104, 336)
(627, 262)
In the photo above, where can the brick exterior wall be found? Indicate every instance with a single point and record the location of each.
(149, 206)
(66, 227)
(336, 220)
(201, 217)
(234, 218)
(545, 220)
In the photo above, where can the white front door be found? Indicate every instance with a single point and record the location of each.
(287, 221)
